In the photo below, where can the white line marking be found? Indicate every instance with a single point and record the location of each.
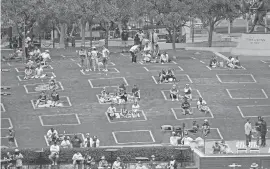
(193, 58)
(254, 80)
(61, 98)
(71, 124)
(189, 79)
(153, 77)
(250, 106)
(112, 64)
(46, 140)
(90, 83)
(79, 65)
(19, 78)
(82, 72)
(265, 61)
(111, 70)
(146, 69)
(15, 142)
(53, 75)
(17, 70)
(8, 64)
(123, 78)
(202, 61)
(199, 93)
(229, 93)
(221, 137)
(190, 118)
(181, 69)
(9, 121)
(3, 108)
(150, 133)
(62, 87)
(208, 67)
(164, 95)
(26, 89)
(72, 60)
(266, 97)
(69, 102)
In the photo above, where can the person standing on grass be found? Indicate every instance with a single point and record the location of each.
(133, 51)
(18, 157)
(94, 58)
(105, 58)
(258, 130)
(248, 130)
(77, 160)
(82, 54)
(263, 132)
(76, 142)
(11, 136)
(124, 37)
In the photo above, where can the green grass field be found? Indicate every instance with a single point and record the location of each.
(87, 115)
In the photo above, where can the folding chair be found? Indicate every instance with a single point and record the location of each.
(254, 148)
(241, 147)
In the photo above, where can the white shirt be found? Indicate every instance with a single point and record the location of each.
(91, 142)
(50, 133)
(54, 148)
(187, 140)
(174, 140)
(164, 57)
(94, 54)
(147, 48)
(77, 157)
(111, 110)
(134, 48)
(105, 53)
(141, 36)
(46, 56)
(203, 103)
(135, 108)
(248, 128)
(39, 71)
(65, 144)
(37, 51)
(116, 165)
(82, 52)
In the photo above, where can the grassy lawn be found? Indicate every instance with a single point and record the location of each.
(92, 119)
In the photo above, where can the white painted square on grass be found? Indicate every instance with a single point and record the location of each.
(128, 120)
(7, 120)
(67, 134)
(167, 97)
(59, 84)
(110, 71)
(123, 79)
(195, 116)
(138, 134)
(49, 75)
(221, 69)
(247, 94)
(3, 108)
(63, 116)
(256, 110)
(237, 78)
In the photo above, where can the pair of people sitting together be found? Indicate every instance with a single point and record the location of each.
(44, 101)
(174, 93)
(232, 63)
(166, 76)
(38, 72)
(52, 85)
(124, 113)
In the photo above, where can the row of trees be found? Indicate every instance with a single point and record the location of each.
(64, 14)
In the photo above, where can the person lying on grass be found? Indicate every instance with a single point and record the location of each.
(174, 93)
(202, 106)
(186, 107)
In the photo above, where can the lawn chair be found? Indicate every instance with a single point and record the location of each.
(254, 148)
(241, 147)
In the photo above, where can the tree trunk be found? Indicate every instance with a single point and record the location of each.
(107, 38)
(73, 28)
(210, 35)
(83, 33)
(62, 35)
(91, 36)
(120, 28)
(173, 38)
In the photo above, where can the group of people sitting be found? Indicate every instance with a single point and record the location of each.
(166, 76)
(149, 55)
(181, 137)
(93, 60)
(186, 98)
(36, 63)
(221, 148)
(232, 63)
(52, 101)
(120, 95)
(122, 98)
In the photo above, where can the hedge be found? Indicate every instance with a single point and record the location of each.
(31, 156)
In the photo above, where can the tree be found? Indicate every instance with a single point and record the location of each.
(210, 12)
(23, 14)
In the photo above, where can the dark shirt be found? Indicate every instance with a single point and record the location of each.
(55, 96)
(76, 142)
(124, 36)
(263, 127)
(258, 125)
(185, 105)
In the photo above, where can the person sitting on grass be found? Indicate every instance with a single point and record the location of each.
(89, 161)
(55, 98)
(186, 107)
(94, 58)
(105, 96)
(202, 106)
(195, 127)
(111, 111)
(65, 143)
(76, 142)
(39, 72)
(135, 109)
(103, 163)
(52, 135)
(174, 93)
(224, 148)
(205, 128)
(82, 54)
(213, 62)
(147, 57)
(230, 62)
(54, 156)
(42, 99)
(122, 87)
(164, 58)
(95, 142)
(187, 92)
(174, 139)
(162, 76)
(136, 92)
(216, 148)
(27, 73)
(45, 57)
(77, 159)
(170, 77)
(52, 84)
(236, 63)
